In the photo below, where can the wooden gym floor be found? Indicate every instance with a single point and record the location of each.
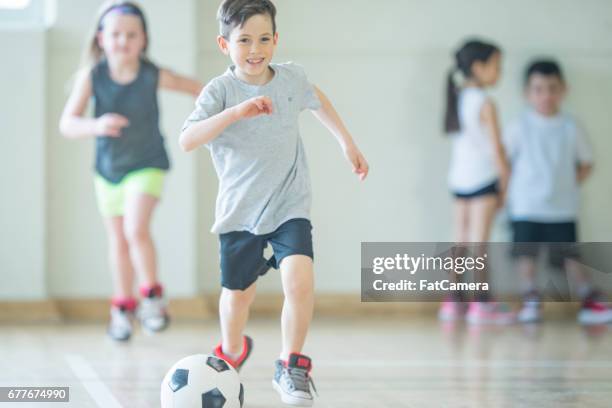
(367, 362)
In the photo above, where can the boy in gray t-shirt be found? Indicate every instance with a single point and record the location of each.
(248, 119)
(550, 157)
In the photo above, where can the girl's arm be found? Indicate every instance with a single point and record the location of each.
(488, 116)
(328, 116)
(72, 123)
(583, 172)
(175, 82)
(206, 130)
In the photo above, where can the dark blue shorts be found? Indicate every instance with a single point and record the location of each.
(560, 238)
(242, 258)
(486, 190)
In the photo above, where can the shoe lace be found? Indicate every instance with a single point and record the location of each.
(301, 379)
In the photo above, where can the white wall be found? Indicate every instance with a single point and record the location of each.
(382, 64)
(22, 199)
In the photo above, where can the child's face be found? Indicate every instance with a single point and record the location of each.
(545, 93)
(487, 73)
(251, 47)
(122, 36)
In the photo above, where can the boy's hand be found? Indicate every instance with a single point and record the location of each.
(110, 124)
(260, 105)
(360, 165)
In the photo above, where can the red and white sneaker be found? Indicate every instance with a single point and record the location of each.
(594, 312)
(247, 347)
(451, 310)
(489, 313)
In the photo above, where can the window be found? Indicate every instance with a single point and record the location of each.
(26, 14)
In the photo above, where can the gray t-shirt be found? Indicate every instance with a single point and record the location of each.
(544, 152)
(260, 162)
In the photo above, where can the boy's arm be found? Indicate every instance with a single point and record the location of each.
(179, 83)
(72, 123)
(204, 131)
(328, 116)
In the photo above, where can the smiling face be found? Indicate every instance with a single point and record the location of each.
(545, 93)
(251, 48)
(122, 37)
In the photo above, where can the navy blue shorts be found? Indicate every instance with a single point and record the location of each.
(488, 189)
(242, 258)
(559, 237)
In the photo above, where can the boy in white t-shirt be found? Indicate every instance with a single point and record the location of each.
(550, 157)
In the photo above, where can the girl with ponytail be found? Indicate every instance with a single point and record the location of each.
(479, 171)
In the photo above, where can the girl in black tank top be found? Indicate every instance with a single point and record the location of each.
(130, 155)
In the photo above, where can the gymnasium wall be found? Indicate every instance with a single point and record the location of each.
(381, 63)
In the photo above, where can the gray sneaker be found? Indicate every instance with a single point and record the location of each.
(292, 380)
(120, 326)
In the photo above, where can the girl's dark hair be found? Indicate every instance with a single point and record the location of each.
(472, 51)
(93, 53)
(234, 13)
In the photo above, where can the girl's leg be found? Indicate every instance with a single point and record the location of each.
(461, 220)
(119, 256)
(137, 220)
(481, 214)
(234, 306)
(298, 286)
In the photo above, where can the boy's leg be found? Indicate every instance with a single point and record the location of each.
(234, 306)
(298, 286)
(242, 263)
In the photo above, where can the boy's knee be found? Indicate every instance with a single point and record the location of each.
(239, 298)
(295, 291)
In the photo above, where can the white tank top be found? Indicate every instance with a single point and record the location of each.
(472, 164)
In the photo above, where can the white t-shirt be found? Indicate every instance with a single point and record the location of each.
(472, 164)
(544, 153)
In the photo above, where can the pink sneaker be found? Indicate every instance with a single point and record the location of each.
(489, 313)
(451, 311)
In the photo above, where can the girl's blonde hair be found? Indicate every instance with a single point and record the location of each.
(92, 54)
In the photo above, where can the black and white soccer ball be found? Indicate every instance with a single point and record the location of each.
(202, 381)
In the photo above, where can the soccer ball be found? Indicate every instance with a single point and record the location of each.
(202, 381)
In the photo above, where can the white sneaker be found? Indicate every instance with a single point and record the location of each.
(593, 312)
(531, 312)
(120, 326)
(153, 315)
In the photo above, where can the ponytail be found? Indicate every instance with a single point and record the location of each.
(471, 52)
(451, 118)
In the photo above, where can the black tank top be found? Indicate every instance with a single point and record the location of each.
(141, 143)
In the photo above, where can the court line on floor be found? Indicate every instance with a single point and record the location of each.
(96, 388)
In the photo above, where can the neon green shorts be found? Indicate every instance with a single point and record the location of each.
(111, 197)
